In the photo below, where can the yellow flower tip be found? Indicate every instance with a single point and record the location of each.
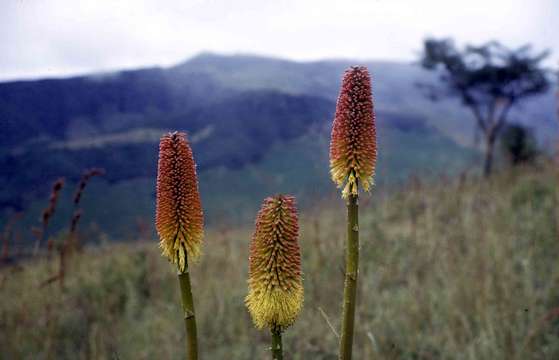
(353, 144)
(275, 286)
(179, 219)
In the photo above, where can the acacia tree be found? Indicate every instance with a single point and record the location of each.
(489, 80)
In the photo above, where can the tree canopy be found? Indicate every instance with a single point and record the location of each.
(489, 79)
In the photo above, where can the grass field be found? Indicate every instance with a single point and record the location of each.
(451, 269)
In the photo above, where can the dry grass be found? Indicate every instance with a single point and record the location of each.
(456, 270)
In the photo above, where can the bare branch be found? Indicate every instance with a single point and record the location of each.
(479, 118)
(503, 117)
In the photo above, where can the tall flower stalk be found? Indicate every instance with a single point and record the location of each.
(275, 284)
(48, 212)
(353, 154)
(180, 221)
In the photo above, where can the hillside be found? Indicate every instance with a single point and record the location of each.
(258, 125)
(452, 269)
(394, 88)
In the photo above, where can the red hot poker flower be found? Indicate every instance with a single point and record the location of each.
(275, 295)
(353, 145)
(179, 218)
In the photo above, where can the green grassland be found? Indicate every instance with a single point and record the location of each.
(450, 269)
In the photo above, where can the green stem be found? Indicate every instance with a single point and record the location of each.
(188, 312)
(351, 272)
(277, 347)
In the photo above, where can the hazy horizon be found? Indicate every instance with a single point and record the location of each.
(201, 53)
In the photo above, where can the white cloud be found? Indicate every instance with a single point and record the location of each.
(59, 37)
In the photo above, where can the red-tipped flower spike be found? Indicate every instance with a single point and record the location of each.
(275, 293)
(179, 219)
(353, 145)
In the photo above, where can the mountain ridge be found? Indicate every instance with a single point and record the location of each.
(246, 114)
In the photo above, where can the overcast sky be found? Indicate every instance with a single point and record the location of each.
(46, 38)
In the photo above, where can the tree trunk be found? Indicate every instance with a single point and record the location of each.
(488, 161)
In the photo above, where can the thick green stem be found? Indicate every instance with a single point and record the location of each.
(188, 313)
(277, 347)
(351, 272)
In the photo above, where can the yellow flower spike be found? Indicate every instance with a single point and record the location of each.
(275, 295)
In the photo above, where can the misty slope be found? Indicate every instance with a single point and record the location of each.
(257, 125)
(394, 89)
(231, 133)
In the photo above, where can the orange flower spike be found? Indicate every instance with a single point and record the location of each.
(353, 145)
(275, 295)
(179, 218)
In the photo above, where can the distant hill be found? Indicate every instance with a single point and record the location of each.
(258, 125)
(394, 88)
